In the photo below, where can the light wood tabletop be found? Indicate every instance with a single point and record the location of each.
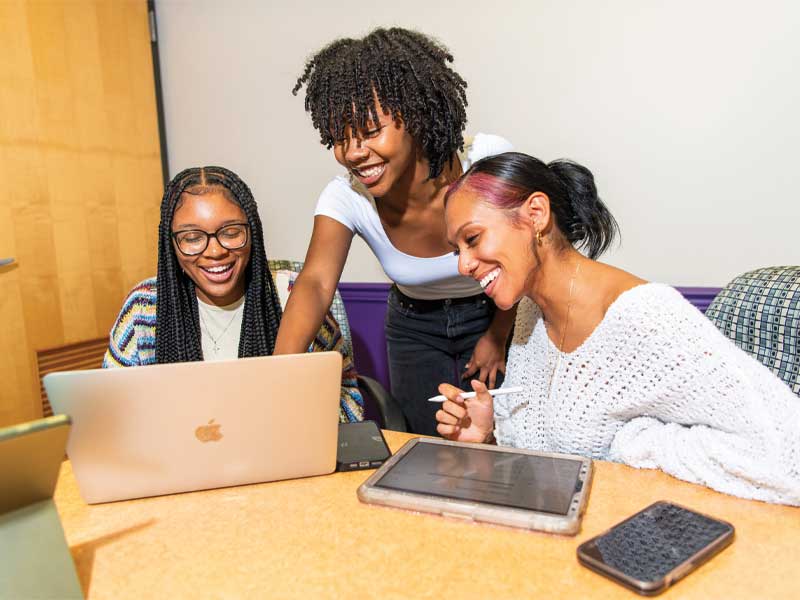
(312, 538)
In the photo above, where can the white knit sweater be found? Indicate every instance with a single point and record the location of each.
(656, 385)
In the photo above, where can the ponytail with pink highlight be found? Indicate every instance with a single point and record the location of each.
(506, 180)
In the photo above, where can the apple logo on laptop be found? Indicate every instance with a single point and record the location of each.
(208, 433)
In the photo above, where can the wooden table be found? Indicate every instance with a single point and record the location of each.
(312, 538)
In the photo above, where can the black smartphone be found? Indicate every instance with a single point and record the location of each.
(361, 446)
(656, 547)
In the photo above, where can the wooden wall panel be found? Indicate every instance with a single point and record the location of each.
(81, 172)
(87, 354)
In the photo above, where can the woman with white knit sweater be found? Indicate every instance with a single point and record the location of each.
(612, 367)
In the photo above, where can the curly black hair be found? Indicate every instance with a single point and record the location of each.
(178, 337)
(409, 74)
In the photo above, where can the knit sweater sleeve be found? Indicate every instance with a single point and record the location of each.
(715, 415)
(131, 342)
(329, 338)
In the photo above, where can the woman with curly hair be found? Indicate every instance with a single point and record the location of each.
(214, 297)
(394, 113)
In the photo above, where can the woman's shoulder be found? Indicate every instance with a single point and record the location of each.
(346, 201)
(345, 188)
(146, 287)
(142, 296)
(651, 297)
(132, 338)
(657, 311)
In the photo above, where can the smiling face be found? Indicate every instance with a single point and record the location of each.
(218, 273)
(380, 155)
(493, 248)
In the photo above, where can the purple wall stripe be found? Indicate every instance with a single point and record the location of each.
(366, 309)
(365, 304)
(701, 297)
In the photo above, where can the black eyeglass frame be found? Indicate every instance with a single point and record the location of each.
(209, 235)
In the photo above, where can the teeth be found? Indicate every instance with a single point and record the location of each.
(490, 278)
(370, 172)
(221, 269)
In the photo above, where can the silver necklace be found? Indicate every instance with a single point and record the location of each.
(215, 340)
(560, 348)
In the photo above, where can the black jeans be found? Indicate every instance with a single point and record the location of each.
(429, 342)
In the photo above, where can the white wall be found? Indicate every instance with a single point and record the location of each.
(686, 111)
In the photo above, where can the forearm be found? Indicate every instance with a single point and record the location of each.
(730, 462)
(312, 293)
(305, 310)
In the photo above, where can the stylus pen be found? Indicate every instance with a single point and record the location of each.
(465, 395)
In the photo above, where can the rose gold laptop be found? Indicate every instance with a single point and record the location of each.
(162, 429)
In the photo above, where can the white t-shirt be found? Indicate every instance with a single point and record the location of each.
(220, 329)
(221, 326)
(345, 200)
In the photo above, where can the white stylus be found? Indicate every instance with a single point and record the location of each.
(466, 395)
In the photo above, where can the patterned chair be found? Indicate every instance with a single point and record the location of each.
(337, 307)
(384, 404)
(760, 312)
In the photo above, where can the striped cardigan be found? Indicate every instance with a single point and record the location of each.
(132, 342)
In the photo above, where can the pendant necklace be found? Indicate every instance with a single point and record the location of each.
(560, 348)
(215, 340)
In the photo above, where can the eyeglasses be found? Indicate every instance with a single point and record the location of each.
(195, 241)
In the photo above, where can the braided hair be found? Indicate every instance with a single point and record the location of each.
(407, 72)
(177, 319)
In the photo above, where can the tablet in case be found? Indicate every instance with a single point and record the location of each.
(480, 482)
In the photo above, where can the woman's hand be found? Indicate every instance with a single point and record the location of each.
(487, 359)
(462, 420)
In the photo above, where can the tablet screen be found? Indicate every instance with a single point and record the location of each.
(506, 479)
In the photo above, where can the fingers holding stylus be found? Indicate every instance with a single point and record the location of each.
(453, 409)
(468, 419)
(482, 394)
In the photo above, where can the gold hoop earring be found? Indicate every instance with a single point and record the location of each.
(539, 238)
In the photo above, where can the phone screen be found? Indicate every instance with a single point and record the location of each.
(653, 543)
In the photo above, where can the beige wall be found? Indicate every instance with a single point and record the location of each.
(685, 110)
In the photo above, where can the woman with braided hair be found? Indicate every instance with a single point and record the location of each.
(214, 297)
(394, 113)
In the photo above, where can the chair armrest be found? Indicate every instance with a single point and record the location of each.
(389, 410)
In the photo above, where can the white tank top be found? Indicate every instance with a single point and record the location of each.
(349, 203)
